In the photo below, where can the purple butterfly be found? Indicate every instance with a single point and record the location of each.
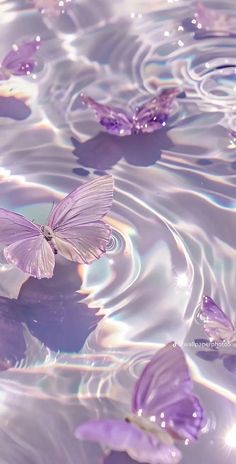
(217, 325)
(74, 230)
(163, 410)
(20, 60)
(148, 118)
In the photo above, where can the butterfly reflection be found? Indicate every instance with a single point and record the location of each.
(163, 410)
(11, 107)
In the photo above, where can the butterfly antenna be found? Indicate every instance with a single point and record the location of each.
(53, 204)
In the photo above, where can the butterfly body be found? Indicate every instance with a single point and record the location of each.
(74, 230)
(48, 233)
(50, 238)
(149, 425)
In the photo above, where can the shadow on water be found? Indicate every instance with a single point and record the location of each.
(11, 107)
(228, 359)
(52, 311)
(137, 150)
(116, 457)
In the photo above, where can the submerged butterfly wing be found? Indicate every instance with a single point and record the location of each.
(122, 436)
(21, 60)
(217, 325)
(154, 113)
(114, 119)
(25, 245)
(80, 235)
(164, 390)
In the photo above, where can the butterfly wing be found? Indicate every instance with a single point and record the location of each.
(20, 61)
(83, 243)
(33, 256)
(164, 390)
(154, 113)
(84, 205)
(122, 436)
(80, 235)
(14, 226)
(217, 325)
(114, 119)
(25, 245)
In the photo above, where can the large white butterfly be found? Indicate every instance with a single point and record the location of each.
(74, 230)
